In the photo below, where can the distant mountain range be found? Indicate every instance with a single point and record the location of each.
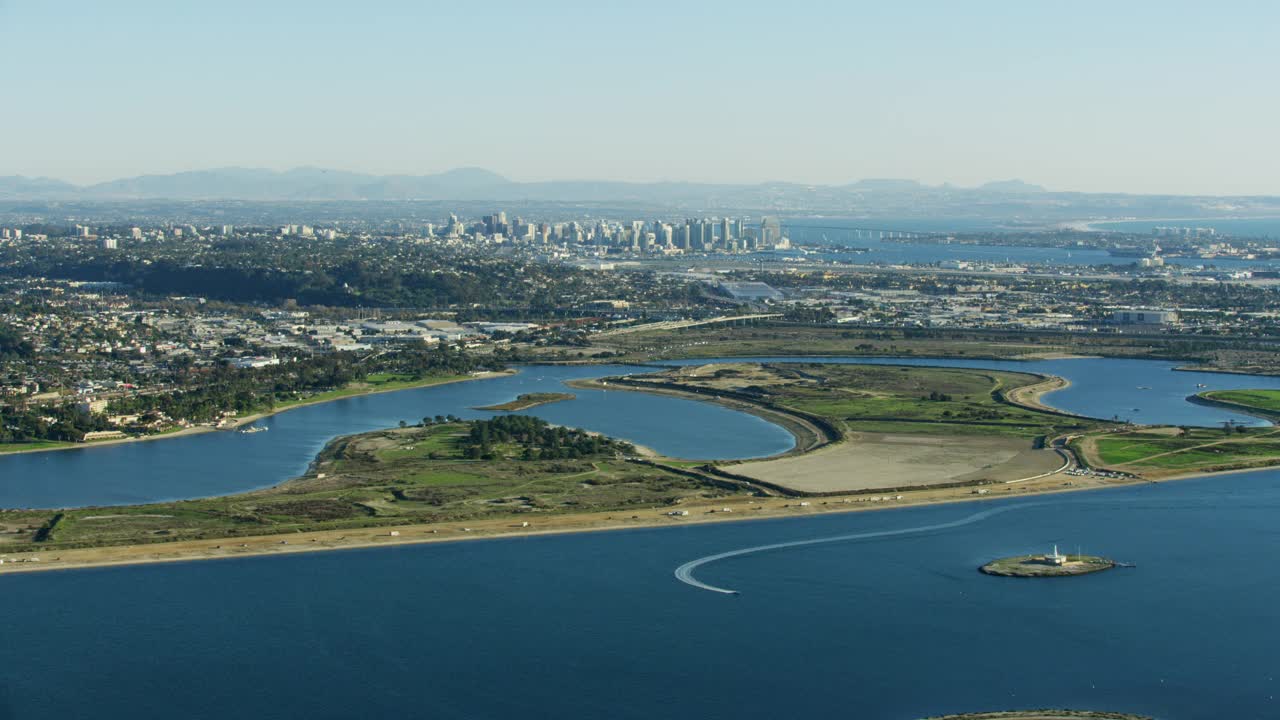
(309, 183)
(1014, 199)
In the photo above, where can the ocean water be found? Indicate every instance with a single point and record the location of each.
(884, 250)
(595, 625)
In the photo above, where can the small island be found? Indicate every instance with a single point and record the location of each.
(1049, 565)
(528, 400)
(1043, 715)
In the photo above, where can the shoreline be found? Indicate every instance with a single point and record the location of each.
(252, 418)
(741, 508)
(806, 435)
(1029, 396)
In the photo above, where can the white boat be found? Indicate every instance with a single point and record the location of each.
(252, 430)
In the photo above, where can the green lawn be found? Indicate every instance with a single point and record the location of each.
(1265, 400)
(1197, 448)
(891, 398)
(381, 478)
(37, 445)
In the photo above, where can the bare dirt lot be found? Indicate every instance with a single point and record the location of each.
(872, 461)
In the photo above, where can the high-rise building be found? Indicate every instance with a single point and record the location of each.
(135, 233)
(110, 243)
(725, 235)
(770, 232)
(228, 229)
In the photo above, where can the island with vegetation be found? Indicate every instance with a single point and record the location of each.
(1051, 565)
(1043, 715)
(528, 400)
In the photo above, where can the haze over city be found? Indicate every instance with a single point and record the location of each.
(1087, 97)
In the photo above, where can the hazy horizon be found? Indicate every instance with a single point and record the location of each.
(1091, 97)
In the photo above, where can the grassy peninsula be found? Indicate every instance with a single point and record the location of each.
(511, 467)
(1257, 402)
(1159, 452)
(887, 428)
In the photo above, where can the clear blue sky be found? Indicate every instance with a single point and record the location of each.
(1095, 96)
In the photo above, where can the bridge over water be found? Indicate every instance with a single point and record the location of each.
(806, 232)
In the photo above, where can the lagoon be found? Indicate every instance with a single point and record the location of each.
(219, 463)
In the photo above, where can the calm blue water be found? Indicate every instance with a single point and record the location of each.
(222, 463)
(882, 251)
(595, 626)
(225, 462)
(1241, 227)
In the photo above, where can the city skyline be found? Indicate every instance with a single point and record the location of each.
(1096, 99)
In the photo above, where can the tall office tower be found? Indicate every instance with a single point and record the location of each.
(17, 234)
(5, 233)
(135, 233)
(82, 231)
(725, 235)
(109, 244)
(770, 232)
(667, 238)
(228, 229)
(686, 235)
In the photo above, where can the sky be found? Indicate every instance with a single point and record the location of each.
(1136, 96)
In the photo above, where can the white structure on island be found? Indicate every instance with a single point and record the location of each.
(1056, 558)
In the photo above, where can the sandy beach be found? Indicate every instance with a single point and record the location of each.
(741, 507)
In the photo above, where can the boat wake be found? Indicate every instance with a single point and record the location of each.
(684, 573)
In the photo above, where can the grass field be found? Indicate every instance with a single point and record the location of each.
(886, 398)
(1166, 451)
(1267, 401)
(38, 445)
(402, 476)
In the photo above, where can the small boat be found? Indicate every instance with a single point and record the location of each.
(1144, 387)
(252, 430)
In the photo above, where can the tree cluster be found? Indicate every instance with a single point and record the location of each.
(538, 440)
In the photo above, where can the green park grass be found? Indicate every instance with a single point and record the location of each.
(400, 476)
(38, 445)
(1265, 400)
(1194, 449)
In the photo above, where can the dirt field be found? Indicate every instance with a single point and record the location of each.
(880, 461)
